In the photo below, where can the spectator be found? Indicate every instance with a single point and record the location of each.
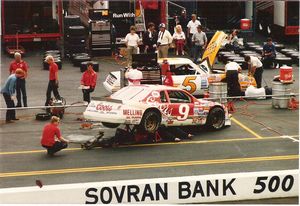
(255, 68)
(269, 53)
(150, 39)
(132, 42)
(179, 38)
(191, 30)
(88, 82)
(183, 21)
(199, 40)
(8, 91)
(51, 137)
(232, 70)
(233, 41)
(53, 80)
(163, 42)
(18, 63)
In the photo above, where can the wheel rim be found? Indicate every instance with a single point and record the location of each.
(151, 123)
(217, 119)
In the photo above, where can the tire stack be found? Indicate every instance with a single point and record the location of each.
(57, 59)
(75, 35)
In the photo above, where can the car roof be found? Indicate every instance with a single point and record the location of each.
(152, 87)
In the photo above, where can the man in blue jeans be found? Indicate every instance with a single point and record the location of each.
(199, 40)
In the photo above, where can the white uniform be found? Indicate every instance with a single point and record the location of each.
(255, 62)
(232, 66)
(193, 26)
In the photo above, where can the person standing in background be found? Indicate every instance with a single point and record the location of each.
(199, 40)
(191, 30)
(132, 42)
(8, 91)
(18, 63)
(88, 80)
(183, 21)
(179, 39)
(150, 39)
(163, 42)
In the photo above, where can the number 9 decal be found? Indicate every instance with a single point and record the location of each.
(183, 111)
(188, 83)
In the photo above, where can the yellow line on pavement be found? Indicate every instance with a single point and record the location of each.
(246, 128)
(149, 145)
(147, 166)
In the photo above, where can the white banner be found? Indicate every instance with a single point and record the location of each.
(191, 189)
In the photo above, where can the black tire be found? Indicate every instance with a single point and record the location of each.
(76, 31)
(72, 20)
(76, 40)
(215, 119)
(43, 116)
(78, 59)
(110, 125)
(151, 121)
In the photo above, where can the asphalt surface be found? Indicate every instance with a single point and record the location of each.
(260, 139)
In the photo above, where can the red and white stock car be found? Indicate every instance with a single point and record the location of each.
(150, 106)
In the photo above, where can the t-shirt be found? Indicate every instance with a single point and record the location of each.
(193, 26)
(177, 36)
(269, 48)
(50, 131)
(164, 38)
(132, 39)
(199, 38)
(53, 68)
(18, 65)
(89, 79)
(255, 62)
(232, 66)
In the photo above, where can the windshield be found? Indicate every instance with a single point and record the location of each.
(131, 93)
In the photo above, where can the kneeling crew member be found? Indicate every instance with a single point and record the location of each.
(255, 68)
(52, 139)
(232, 70)
(89, 79)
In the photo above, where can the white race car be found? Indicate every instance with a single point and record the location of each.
(187, 75)
(150, 106)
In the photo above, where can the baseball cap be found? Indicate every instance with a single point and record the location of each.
(162, 25)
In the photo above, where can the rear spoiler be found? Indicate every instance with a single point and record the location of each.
(107, 99)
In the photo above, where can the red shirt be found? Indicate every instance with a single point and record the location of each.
(49, 132)
(53, 68)
(18, 65)
(168, 80)
(89, 79)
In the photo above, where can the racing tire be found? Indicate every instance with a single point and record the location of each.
(43, 116)
(150, 122)
(110, 125)
(215, 119)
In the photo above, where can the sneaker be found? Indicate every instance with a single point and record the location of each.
(177, 140)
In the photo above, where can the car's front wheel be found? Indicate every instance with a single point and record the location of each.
(150, 121)
(110, 125)
(216, 118)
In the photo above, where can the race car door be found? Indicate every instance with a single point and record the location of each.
(181, 108)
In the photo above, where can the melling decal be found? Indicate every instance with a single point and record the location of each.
(105, 108)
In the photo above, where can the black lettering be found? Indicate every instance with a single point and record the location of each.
(272, 187)
(162, 192)
(147, 193)
(88, 194)
(288, 187)
(133, 193)
(198, 189)
(102, 195)
(211, 187)
(228, 186)
(184, 187)
(119, 196)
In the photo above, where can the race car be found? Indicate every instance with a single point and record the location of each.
(149, 106)
(189, 76)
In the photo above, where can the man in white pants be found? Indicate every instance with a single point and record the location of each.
(232, 70)
(164, 40)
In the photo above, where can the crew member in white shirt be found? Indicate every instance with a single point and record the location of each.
(232, 70)
(191, 30)
(255, 68)
(163, 42)
(132, 42)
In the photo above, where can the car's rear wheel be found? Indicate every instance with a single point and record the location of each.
(216, 118)
(151, 121)
(110, 125)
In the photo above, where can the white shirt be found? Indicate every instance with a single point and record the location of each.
(180, 35)
(193, 26)
(164, 38)
(132, 39)
(232, 66)
(255, 62)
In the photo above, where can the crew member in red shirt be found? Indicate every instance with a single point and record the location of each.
(51, 138)
(168, 81)
(18, 63)
(53, 80)
(88, 82)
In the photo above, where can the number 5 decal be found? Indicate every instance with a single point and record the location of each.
(183, 111)
(188, 82)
